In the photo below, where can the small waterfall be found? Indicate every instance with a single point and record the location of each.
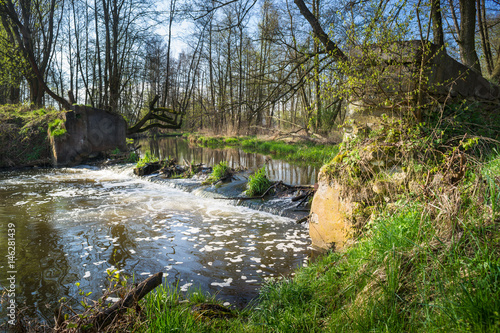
(233, 189)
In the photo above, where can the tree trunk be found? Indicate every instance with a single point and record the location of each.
(437, 23)
(467, 35)
(330, 46)
(483, 30)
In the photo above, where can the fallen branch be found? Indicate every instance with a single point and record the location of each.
(106, 317)
(304, 219)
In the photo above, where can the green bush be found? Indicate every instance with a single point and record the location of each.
(132, 158)
(258, 183)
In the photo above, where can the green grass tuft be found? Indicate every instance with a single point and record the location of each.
(258, 183)
(293, 152)
(147, 158)
(56, 128)
(219, 171)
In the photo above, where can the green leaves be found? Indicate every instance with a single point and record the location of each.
(219, 171)
(56, 128)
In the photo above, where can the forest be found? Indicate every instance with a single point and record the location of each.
(247, 66)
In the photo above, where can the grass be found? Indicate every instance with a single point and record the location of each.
(147, 158)
(23, 135)
(56, 128)
(168, 310)
(299, 152)
(293, 152)
(258, 183)
(219, 171)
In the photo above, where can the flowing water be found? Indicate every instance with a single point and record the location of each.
(74, 224)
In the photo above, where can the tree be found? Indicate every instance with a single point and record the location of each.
(437, 23)
(329, 45)
(26, 20)
(466, 32)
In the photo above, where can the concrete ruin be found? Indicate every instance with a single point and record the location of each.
(396, 81)
(89, 132)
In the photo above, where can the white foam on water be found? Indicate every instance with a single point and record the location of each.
(186, 286)
(227, 282)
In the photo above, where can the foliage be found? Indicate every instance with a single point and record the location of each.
(314, 154)
(56, 128)
(147, 158)
(169, 310)
(132, 157)
(258, 183)
(219, 171)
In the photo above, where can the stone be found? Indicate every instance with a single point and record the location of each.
(328, 226)
(148, 169)
(89, 131)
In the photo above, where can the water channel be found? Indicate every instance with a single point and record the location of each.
(74, 224)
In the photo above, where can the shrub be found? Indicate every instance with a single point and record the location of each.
(219, 171)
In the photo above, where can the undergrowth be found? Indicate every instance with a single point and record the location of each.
(219, 171)
(56, 128)
(147, 158)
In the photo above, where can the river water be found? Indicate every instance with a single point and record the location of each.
(292, 174)
(74, 224)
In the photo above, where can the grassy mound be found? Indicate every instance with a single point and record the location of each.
(23, 135)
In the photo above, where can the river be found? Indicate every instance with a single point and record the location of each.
(72, 225)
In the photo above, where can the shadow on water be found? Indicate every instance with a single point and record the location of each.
(180, 148)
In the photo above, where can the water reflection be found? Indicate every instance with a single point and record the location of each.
(276, 169)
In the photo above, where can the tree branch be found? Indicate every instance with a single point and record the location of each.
(318, 31)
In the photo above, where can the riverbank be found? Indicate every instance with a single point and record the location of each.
(427, 259)
(413, 269)
(24, 140)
